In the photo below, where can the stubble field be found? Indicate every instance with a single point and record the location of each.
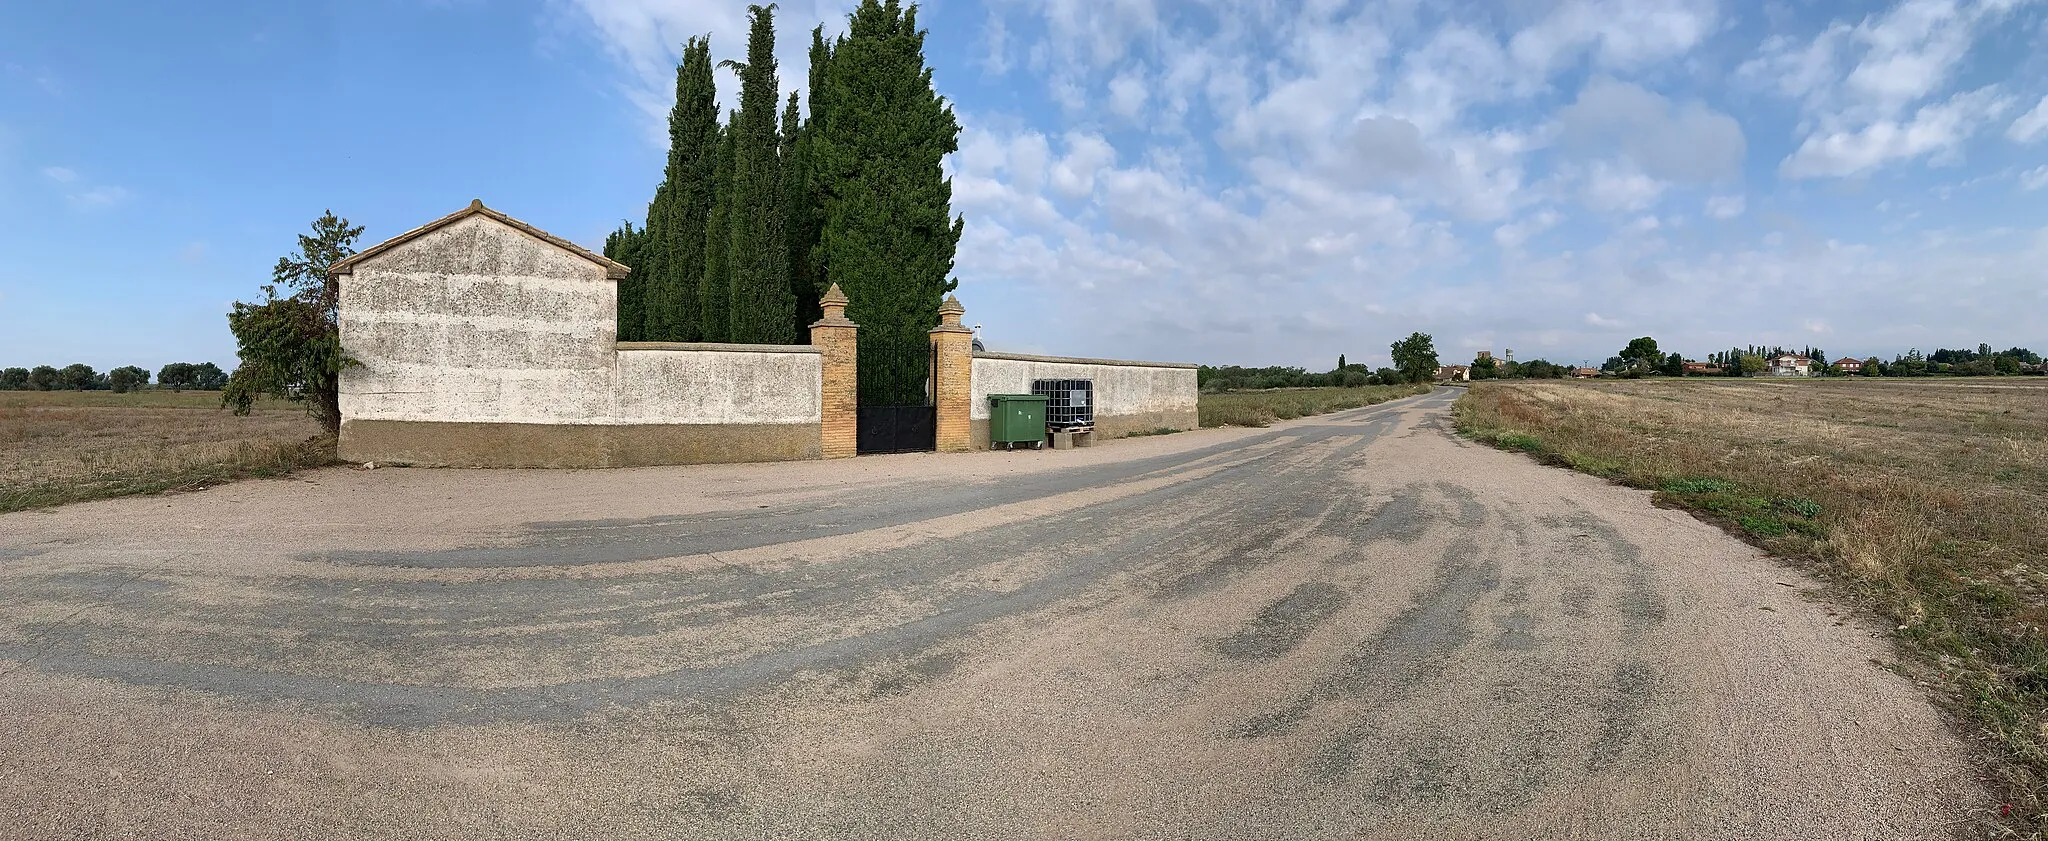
(1925, 500)
(67, 446)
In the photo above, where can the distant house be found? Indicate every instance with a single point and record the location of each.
(1454, 374)
(1585, 373)
(1849, 365)
(1790, 365)
(1694, 369)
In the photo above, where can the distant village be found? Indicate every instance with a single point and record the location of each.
(1761, 361)
(1642, 358)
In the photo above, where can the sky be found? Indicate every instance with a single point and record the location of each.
(1223, 181)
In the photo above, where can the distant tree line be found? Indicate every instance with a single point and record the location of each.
(756, 217)
(1641, 358)
(82, 377)
(1488, 368)
(1982, 362)
(1415, 360)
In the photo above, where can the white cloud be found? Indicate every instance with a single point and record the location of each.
(95, 198)
(1127, 94)
(2031, 126)
(1724, 207)
(1087, 155)
(1619, 33)
(1611, 187)
(83, 196)
(1933, 129)
(1690, 142)
(1866, 87)
(645, 38)
(1513, 234)
(1197, 170)
(996, 34)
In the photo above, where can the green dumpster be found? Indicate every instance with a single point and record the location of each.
(1016, 419)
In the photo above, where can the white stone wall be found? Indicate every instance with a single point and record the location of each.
(480, 322)
(1121, 388)
(718, 386)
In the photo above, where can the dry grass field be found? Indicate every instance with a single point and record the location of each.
(1927, 500)
(66, 446)
(1259, 408)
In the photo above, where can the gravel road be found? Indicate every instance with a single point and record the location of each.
(1351, 626)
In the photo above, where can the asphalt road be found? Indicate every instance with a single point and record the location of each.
(1353, 626)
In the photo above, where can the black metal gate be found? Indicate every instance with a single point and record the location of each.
(895, 415)
(895, 429)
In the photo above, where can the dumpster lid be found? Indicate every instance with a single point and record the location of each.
(1038, 397)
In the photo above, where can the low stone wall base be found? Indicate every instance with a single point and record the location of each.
(437, 444)
(1109, 427)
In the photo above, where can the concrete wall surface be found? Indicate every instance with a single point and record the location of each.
(734, 384)
(500, 340)
(1129, 396)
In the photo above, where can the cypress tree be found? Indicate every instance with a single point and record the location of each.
(678, 220)
(626, 245)
(799, 219)
(762, 310)
(715, 290)
(889, 234)
(804, 209)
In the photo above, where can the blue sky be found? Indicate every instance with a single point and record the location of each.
(1255, 182)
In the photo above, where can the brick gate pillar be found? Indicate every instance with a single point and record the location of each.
(952, 378)
(834, 337)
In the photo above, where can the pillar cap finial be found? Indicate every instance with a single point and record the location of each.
(950, 312)
(833, 307)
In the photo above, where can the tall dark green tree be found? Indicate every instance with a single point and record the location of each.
(804, 211)
(762, 308)
(878, 132)
(714, 291)
(799, 220)
(678, 218)
(626, 245)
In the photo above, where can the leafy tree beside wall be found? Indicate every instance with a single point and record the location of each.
(290, 345)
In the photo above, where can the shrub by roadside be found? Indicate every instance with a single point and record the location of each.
(1923, 503)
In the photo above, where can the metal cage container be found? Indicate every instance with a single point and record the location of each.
(1069, 405)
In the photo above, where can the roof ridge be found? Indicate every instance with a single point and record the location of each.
(612, 268)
